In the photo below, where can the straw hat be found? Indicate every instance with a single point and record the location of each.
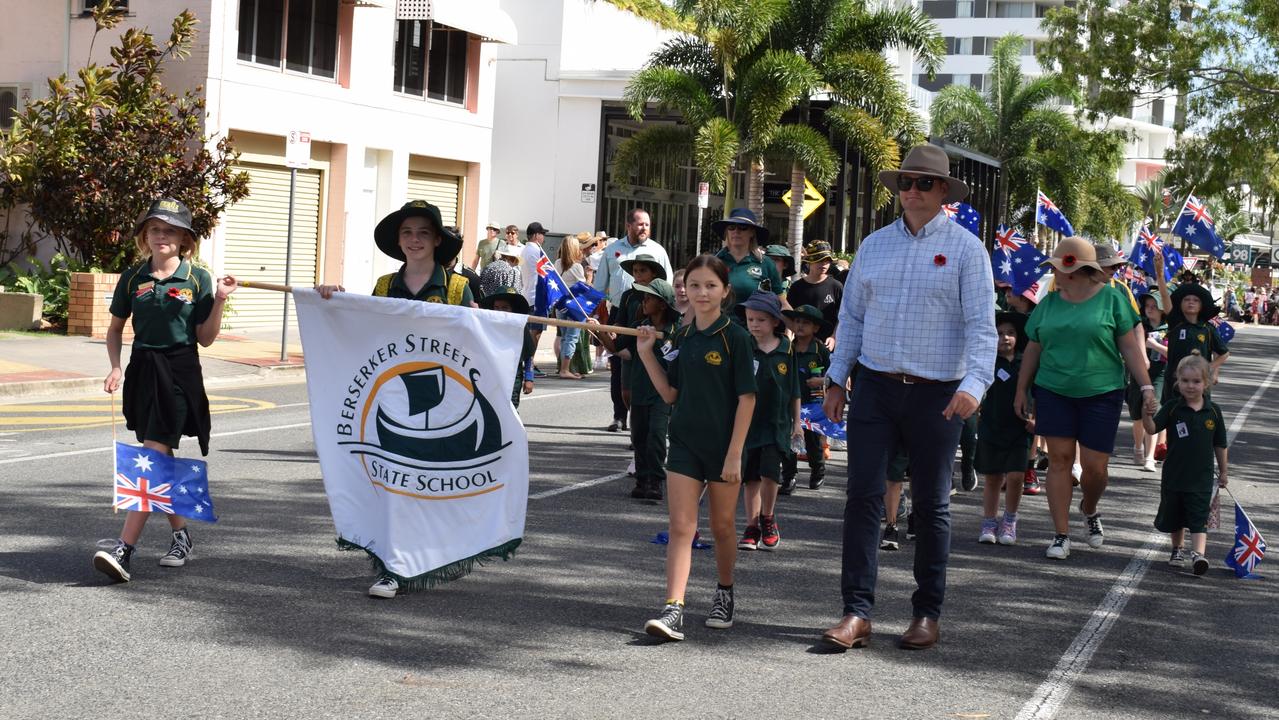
(1073, 253)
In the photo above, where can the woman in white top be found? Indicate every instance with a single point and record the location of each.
(569, 266)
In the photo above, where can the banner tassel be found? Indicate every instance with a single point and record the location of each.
(440, 575)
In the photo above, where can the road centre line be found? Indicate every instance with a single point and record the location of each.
(1052, 693)
(576, 486)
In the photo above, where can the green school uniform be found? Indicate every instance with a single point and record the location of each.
(711, 367)
(812, 363)
(1080, 350)
(165, 312)
(641, 385)
(1002, 438)
(1190, 339)
(1185, 488)
(776, 387)
(435, 290)
(745, 275)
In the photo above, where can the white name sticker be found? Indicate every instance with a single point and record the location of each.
(1182, 430)
(756, 365)
(1002, 374)
(1183, 334)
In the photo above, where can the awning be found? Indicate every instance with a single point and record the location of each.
(478, 17)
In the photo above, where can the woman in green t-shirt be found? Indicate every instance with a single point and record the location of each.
(1080, 338)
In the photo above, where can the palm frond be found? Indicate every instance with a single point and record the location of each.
(770, 87)
(807, 148)
(960, 114)
(895, 27)
(669, 88)
(864, 132)
(715, 147)
(733, 28)
(645, 157)
(809, 26)
(655, 11)
(864, 79)
(693, 56)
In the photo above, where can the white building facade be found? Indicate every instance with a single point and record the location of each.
(397, 97)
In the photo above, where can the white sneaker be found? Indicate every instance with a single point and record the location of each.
(836, 444)
(630, 469)
(1149, 465)
(1096, 535)
(1060, 549)
(385, 587)
(1077, 472)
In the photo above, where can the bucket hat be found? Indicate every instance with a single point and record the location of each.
(519, 304)
(659, 288)
(642, 259)
(818, 250)
(741, 216)
(780, 251)
(927, 160)
(811, 314)
(170, 211)
(1209, 311)
(1107, 256)
(1073, 253)
(765, 302)
(387, 232)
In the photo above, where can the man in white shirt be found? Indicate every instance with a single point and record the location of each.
(528, 277)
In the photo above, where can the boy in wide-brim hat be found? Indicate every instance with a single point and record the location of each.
(1191, 333)
(812, 360)
(781, 257)
(628, 266)
(1003, 438)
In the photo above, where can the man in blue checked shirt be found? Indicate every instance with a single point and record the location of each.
(918, 322)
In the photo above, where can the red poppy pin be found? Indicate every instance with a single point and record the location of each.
(173, 292)
(1068, 260)
(939, 260)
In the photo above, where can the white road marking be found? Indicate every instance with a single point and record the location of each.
(108, 448)
(1052, 693)
(535, 396)
(576, 486)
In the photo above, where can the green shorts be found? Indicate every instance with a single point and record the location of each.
(992, 459)
(702, 464)
(168, 436)
(1178, 510)
(762, 462)
(1132, 393)
(898, 467)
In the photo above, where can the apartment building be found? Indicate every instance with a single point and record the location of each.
(397, 97)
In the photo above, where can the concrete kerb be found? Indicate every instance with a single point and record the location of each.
(63, 387)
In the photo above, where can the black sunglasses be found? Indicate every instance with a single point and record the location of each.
(924, 183)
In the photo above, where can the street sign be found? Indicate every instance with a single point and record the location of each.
(588, 192)
(703, 195)
(812, 199)
(297, 151)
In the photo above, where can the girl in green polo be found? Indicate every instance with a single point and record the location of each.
(173, 305)
(710, 384)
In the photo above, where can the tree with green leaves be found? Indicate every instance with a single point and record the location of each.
(1220, 60)
(88, 159)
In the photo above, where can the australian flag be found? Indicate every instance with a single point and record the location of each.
(813, 418)
(965, 215)
(1016, 261)
(1225, 330)
(147, 480)
(1196, 226)
(580, 301)
(1249, 547)
(550, 287)
(1049, 215)
(1143, 254)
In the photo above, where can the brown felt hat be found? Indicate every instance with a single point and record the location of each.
(927, 160)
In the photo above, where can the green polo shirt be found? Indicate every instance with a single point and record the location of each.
(641, 386)
(435, 290)
(1080, 342)
(812, 363)
(777, 386)
(998, 425)
(1194, 339)
(1192, 437)
(711, 368)
(628, 308)
(746, 274)
(165, 312)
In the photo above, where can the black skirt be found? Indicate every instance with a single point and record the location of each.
(164, 396)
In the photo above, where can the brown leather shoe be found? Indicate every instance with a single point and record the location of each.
(851, 632)
(922, 633)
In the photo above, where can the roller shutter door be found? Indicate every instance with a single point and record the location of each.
(441, 191)
(256, 239)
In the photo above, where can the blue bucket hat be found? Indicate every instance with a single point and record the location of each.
(765, 302)
(741, 216)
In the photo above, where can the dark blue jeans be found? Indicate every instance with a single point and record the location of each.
(883, 415)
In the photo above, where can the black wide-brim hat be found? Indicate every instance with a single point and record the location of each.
(170, 211)
(1209, 311)
(1018, 321)
(387, 232)
(811, 314)
(647, 260)
(741, 216)
(519, 303)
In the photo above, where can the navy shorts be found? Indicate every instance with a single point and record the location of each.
(762, 462)
(1093, 421)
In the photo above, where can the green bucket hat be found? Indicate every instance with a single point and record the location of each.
(519, 304)
(387, 232)
(649, 260)
(811, 314)
(659, 288)
(780, 251)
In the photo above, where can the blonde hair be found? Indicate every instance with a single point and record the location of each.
(187, 247)
(1194, 363)
(570, 252)
(678, 276)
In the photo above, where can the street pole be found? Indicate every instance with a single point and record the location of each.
(288, 261)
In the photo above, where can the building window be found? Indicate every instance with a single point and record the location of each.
(431, 60)
(8, 107)
(1015, 10)
(91, 5)
(299, 35)
(964, 8)
(963, 79)
(963, 46)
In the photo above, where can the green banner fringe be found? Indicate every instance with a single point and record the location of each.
(452, 571)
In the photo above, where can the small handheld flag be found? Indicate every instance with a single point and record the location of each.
(580, 301)
(1016, 261)
(1196, 226)
(550, 287)
(1225, 330)
(147, 480)
(1143, 254)
(1249, 548)
(1049, 215)
(964, 215)
(813, 418)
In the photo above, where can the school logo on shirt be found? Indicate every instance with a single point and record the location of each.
(714, 358)
(1210, 424)
(1201, 337)
(435, 299)
(182, 294)
(829, 299)
(754, 271)
(782, 368)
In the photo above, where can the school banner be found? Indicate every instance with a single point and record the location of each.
(425, 462)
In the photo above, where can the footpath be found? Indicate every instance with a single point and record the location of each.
(40, 364)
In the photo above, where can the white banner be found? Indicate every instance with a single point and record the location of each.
(425, 461)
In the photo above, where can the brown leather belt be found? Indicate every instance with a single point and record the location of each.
(908, 379)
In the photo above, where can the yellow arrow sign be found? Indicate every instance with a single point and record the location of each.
(812, 198)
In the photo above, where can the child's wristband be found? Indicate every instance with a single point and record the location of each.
(1144, 388)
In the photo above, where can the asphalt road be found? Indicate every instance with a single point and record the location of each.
(270, 621)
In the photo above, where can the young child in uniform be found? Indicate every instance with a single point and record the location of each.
(1196, 433)
(1152, 317)
(775, 423)
(681, 299)
(642, 268)
(811, 359)
(1190, 333)
(513, 301)
(1003, 438)
(785, 263)
(173, 306)
(650, 415)
(710, 384)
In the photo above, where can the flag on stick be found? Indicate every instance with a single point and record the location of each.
(1049, 215)
(1196, 226)
(148, 480)
(1249, 547)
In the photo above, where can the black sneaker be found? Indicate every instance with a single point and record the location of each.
(891, 539)
(179, 549)
(1198, 563)
(787, 486)
(721, 615)
(910, 525)
(640, 491)
(816, 479)
(969, 481)
(654, 491)
(1041, 462)
(669, 625)
(114, 563)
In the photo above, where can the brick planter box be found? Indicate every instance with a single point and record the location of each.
(89, 307)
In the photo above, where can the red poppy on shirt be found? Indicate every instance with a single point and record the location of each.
(173, 292)
(939, 260)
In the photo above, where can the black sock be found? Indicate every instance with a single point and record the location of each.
(724, 587)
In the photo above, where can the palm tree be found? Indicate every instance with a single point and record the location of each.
(1012, 121)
